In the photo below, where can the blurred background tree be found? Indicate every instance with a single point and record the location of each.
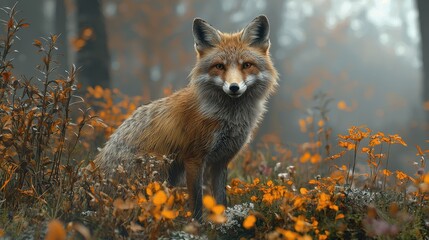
(91, 44)
(423, 7)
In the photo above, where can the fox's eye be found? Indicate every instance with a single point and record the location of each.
(247, 65)
(220, 66)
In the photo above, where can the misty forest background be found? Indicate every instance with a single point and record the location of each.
(371, 57)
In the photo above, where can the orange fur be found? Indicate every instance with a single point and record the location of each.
(181, 126)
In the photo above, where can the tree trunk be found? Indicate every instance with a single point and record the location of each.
(61, 29)
(273, 122)
(423, 8)
(93, 56)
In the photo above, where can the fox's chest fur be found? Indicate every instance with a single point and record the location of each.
(237, 120)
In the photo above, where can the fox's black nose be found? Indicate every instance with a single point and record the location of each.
(234, 87)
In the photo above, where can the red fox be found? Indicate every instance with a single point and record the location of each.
(207, 123)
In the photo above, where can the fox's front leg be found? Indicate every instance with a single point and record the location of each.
(194, 176)
(219, 173)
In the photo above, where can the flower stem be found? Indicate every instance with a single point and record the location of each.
(354, 162)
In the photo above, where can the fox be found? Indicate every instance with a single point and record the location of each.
(206, 124)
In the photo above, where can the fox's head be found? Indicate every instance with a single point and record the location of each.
(234, 65)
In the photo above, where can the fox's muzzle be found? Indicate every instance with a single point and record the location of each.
(234, 89)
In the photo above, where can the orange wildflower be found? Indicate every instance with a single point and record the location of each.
(249, 222)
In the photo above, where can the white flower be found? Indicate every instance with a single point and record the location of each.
(235, 216)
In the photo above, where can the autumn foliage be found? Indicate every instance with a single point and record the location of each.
(319, 189)
(39, 131)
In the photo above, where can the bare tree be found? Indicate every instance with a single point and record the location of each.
(423, 8)
(61, 29)
(92, 55)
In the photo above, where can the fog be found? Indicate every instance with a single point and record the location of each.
(364, 55)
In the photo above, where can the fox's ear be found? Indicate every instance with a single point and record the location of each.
(205, 36)
(257, 33)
